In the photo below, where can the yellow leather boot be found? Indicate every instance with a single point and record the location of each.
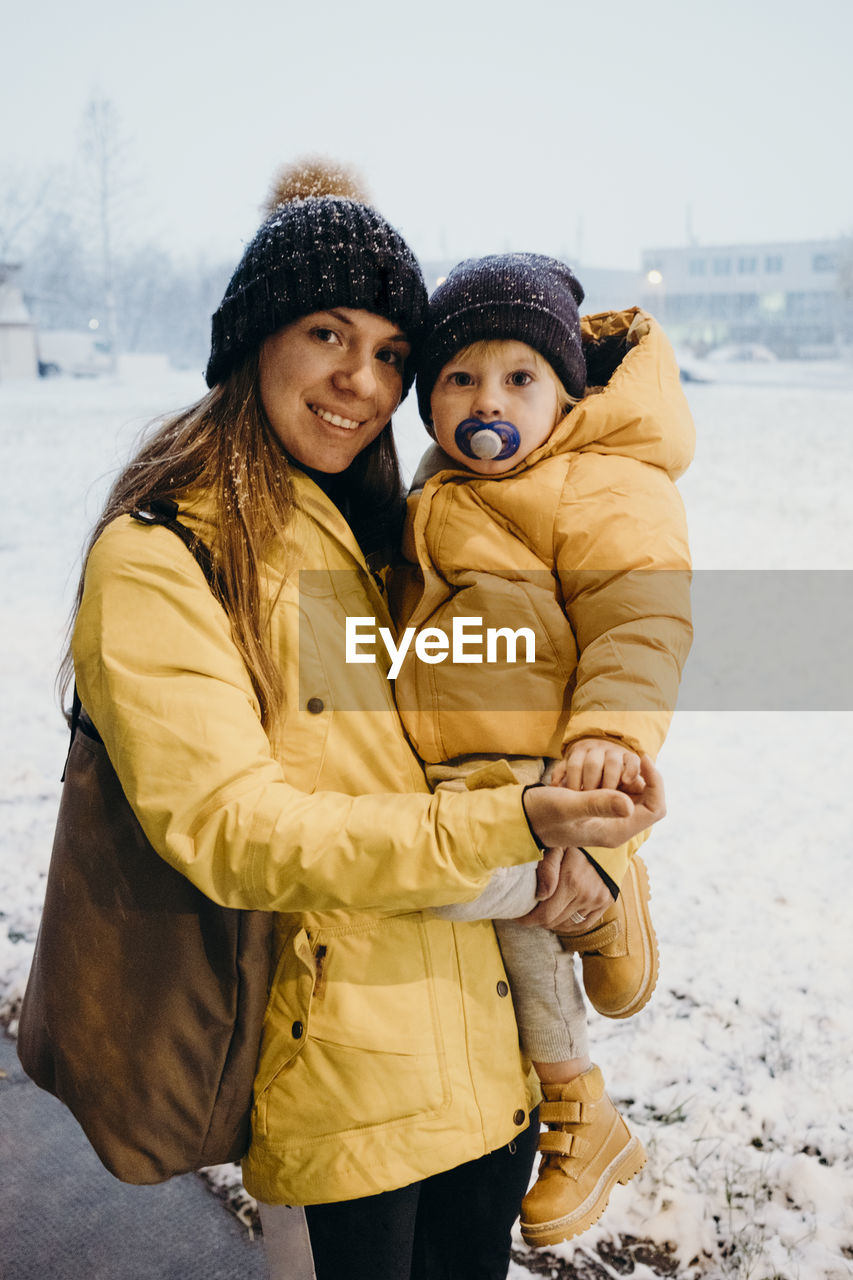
(620, 954)
(586, 1151)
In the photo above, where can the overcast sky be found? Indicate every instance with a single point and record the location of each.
(595, 130)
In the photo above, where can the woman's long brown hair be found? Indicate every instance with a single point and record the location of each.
(225, 447)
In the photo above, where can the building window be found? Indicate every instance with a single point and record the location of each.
(721, 266)
(746, 266)
(746, 303)
(696, 267)
(684, 306)
(825, 262)
(773, 262)
(812, 306)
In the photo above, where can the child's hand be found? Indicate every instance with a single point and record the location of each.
(602, 817)
(591, 763)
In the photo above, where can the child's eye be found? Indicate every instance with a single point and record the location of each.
(520, 378)
(460, 379)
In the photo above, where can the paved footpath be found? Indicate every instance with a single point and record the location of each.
(63, 1217)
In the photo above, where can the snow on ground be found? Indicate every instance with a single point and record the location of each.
(737, 1075)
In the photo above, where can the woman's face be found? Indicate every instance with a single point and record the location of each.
(330, 382)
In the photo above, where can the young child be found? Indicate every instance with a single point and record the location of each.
(548, 510)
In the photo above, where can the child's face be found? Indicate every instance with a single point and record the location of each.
(496, 381)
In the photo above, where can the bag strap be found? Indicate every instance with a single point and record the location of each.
(162, 511)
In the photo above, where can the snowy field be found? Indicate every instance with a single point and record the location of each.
(737, 1076)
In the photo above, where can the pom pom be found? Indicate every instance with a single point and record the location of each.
(314, 176)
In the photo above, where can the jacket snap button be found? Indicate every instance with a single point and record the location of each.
(315, 706)
(503, 989)
(297, 1030)
(518, 1117)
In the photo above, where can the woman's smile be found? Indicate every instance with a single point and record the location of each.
(336, 420)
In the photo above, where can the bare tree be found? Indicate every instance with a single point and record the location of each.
(108, 186)
(24, 200)
(73, 234)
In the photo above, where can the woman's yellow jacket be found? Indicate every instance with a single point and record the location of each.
(390, 1050)
(584, 544)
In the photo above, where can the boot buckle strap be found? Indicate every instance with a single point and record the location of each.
(604, 935)
(568, 1148)
(557, 1143)
(561, 1112)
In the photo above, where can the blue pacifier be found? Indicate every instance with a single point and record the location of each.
(488, 441)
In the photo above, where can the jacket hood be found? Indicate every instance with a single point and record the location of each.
(641, 410)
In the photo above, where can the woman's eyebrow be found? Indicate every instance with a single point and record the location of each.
(339, 315)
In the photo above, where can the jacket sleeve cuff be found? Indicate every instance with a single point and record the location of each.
(611, 864)
(539, 844)
(611, 884)
(501, 833)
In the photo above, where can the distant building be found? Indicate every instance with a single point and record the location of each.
(609, 289)
(788, 297)
(18, 357)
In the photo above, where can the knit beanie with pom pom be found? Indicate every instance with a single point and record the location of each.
(322, 246)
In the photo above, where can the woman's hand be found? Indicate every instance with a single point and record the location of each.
(548, 873)
(566, 818)
(580, 891)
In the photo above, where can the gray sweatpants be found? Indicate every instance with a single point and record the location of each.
(549, 1003)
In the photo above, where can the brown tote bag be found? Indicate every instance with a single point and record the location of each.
(145, 1001)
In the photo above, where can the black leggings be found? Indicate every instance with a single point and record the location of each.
(452, 1226)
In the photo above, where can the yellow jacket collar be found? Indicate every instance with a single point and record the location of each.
(197, 509)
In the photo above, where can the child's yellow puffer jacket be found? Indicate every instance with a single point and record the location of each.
(390, 1050)
(585, 544)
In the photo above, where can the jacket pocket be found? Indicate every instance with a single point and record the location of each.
(288, 1010)
(372, 1050)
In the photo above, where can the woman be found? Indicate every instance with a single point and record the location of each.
(276, 775)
